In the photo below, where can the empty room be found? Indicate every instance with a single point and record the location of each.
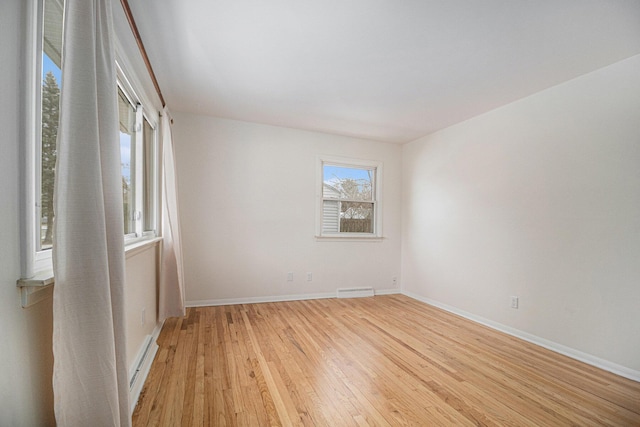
(320, 213)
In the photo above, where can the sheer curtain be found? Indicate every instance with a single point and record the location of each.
(90, 373)
(171, 277)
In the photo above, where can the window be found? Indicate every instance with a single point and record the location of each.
(350, 198)
(138, 142)
(49, 100)
(43, 60)
(138, 164)
(127, 115)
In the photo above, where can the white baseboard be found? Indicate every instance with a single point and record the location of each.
(589, 359)
(275, 298)
(255, 300)
(392, 291)
(142, 365)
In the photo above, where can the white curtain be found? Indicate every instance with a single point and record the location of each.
(171, 277)
(90, 374)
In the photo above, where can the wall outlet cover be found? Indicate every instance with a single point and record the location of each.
(514, 302)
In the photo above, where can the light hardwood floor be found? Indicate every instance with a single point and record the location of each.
(386, 360)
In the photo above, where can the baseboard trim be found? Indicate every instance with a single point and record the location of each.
(387, 291)
(257, 300)
(139, 375)
(589, 359)
(275, 298)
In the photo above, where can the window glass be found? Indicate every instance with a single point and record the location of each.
(348, 199)
(347, 183)
(148, 176)
(127, 114)
(49, 114)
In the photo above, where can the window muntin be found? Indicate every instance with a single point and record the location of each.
(349, 198)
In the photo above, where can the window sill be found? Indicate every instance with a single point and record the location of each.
(358, 238)
(40, 286)
(36, 288)
(137, 246)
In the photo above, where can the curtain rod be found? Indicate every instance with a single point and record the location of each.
(143, 51)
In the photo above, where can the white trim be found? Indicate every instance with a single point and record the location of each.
(28, 134)
(350, 237)
(30, 295)
(141, 367)
(155, 175)
(387, 291)
(349, 162)
(257, 300)
(134, 86)
(275, 298)
(589, 359)
(144, 111)
(138, 181)
(141, 245)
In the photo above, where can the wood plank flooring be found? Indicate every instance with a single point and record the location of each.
(381, 361)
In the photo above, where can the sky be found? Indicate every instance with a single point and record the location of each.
(49, 65)
(331, 173)
(125, 155)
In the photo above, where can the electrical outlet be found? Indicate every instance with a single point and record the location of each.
(309, 277)
(290, 276)
(514, 302)
(143, 316)
(394, 281)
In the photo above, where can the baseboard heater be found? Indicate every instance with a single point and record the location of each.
(141, 360)
(355, 292)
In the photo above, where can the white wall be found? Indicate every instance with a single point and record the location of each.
(26, 359)
(247, 205)
(538, 199)
(141, 294)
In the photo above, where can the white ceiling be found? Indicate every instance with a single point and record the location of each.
(386, 70)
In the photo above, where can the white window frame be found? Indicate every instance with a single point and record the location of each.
(155, 179)
(33, 261)
(36, 269)
(377, 197)
(142, 114)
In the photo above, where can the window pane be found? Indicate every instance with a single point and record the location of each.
(347, 183)
(50, 99)
(127, 116)
(148, 166)
(356, 217)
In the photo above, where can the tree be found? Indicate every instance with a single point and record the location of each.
(50, 115)
(352, 189)
(356, 209)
